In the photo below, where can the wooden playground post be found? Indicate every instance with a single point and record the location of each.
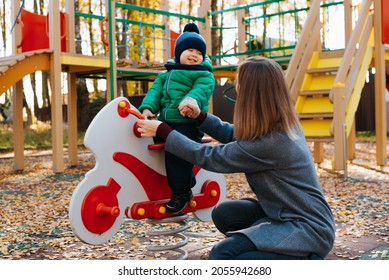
(55, 80)
(205, 31)
(348, 29)
(242, 31)
(166, 43)
(72, 88)
(17, 121)
(339, 122)
(18, 131)
(379, 86)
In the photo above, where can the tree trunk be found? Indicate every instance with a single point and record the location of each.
(83, 119)
(216, 35)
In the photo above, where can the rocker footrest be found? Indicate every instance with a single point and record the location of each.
(209, 196)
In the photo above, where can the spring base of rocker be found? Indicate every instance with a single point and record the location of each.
(176, 232)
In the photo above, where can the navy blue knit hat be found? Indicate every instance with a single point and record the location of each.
(190, 38)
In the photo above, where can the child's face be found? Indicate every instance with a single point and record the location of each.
(191, 56)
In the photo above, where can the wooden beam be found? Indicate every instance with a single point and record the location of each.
(339, 131)
(56, 94)
(18, 131)
(72, 120)
(379, 87)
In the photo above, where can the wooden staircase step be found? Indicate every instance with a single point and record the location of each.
(316, 116)
(322, 70)
(331, 54)
(315, 92)
(319, 139)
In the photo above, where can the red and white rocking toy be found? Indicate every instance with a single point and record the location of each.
(129, 178)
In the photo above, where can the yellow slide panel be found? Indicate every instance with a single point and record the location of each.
(28, 65)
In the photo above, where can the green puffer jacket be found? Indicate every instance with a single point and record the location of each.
(174, 85)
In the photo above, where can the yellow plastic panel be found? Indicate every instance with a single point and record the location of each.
(320, 82)
(316, 128)
(314, 61)
(317, 105)
(329, 62)
(82, 60)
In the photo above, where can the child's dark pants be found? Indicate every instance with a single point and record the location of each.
(179, 172)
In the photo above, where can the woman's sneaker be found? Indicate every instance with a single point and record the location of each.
(178, 202)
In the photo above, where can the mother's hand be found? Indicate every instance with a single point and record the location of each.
(148, 128)
(189, 108)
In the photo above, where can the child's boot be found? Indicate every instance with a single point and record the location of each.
(178, 202)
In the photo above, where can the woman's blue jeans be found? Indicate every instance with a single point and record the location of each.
(236, 215)
(239, 247)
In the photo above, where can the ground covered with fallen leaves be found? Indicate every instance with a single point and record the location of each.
(34, 212)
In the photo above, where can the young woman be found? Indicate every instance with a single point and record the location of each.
(290, 218)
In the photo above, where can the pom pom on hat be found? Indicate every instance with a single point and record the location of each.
(191, 27)
(189, 39)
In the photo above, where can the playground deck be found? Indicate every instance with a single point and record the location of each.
(34, 212)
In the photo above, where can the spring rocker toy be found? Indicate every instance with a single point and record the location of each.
(129, 180)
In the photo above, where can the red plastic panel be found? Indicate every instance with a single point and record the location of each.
(173, 38)
(35, 31)
(385, 21)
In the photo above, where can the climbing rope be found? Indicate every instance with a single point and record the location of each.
(14, 24)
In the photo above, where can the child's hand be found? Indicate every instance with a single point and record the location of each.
(189, 108)
(148, 114)
(186, 111)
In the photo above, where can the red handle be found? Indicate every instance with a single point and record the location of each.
(124, 109)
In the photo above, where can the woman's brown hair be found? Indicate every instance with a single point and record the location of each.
(263, 102)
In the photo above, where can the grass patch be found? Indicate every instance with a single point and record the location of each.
(368, 136)
(36, 137)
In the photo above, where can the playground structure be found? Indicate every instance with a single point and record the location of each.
(325, 84)
(327, 90)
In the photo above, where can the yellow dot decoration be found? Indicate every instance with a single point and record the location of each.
(193, 204)
(162, 210)
(141, 211)
(213, 193)
(122, 104)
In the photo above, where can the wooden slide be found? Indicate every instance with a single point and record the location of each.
(14, 68)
